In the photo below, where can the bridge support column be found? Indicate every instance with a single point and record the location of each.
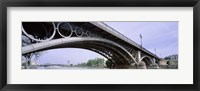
(154, 60)
(155, 64)
(139, 56)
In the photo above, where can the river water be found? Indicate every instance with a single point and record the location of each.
(60, 67)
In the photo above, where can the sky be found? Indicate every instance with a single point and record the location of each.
(160, 38)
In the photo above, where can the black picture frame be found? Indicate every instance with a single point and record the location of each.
(99, 3)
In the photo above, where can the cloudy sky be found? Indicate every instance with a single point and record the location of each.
(162, 36)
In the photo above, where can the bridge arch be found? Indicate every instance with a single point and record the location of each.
(148, 60)
(100, 50)
(120, 53)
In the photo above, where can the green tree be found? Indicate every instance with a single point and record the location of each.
(109, 64)
(100, 61)
(89, 63)
(95, 62)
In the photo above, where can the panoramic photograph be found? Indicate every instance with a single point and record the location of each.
(100, 45)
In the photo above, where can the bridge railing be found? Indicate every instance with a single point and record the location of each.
(119, 35)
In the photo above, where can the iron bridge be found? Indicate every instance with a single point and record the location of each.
(98, 37)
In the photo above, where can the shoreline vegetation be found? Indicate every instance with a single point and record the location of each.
(97, 63)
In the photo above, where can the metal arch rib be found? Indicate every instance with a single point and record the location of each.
(58, 42)
(147, 57)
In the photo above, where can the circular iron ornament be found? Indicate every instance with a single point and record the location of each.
(93, 35)
(84, 33)
(88, 33)
(46, 31)
(65, 30)
(78, 32)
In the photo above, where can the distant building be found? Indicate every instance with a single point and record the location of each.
(163, 62)
(33, 63)
(172, 57)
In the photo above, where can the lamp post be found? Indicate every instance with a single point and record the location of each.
(141, 39)
(155, 51)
